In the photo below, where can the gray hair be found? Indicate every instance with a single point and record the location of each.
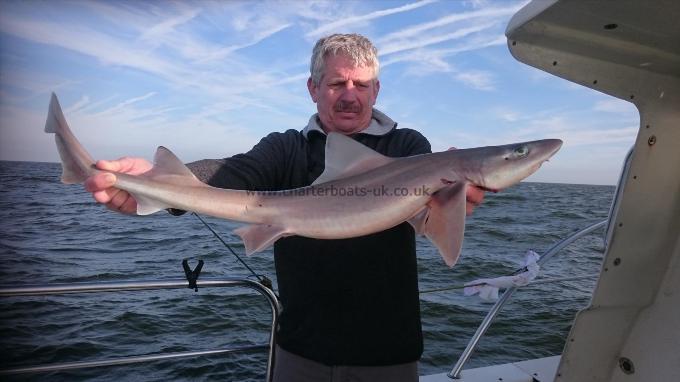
(355, 46)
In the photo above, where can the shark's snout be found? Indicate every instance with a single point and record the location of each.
(556, 145)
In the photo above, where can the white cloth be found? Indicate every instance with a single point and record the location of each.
(488, 288)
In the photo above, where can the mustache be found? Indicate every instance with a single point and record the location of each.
(347, 107)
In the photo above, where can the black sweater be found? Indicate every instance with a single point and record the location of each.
(345, 302)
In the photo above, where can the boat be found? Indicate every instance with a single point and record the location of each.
(631, 329)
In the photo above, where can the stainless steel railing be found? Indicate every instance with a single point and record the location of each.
(34, 290)
(465, 356)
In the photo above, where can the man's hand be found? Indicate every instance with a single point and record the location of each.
(101, 185)
(474, 196)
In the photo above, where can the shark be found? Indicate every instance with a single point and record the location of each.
(359, 192)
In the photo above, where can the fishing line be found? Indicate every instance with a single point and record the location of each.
(264, 280)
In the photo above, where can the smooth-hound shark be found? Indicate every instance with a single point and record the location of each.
(360, 191)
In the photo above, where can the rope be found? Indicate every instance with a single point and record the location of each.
(539, 281)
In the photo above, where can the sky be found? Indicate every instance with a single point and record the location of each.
(209, 79)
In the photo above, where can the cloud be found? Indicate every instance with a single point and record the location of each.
(598, 137)
(28, 83)
(616, 105)
(417, 30)
(415, 45)
(136, 99)
(437, 56)
(168, 25)
(347, 21)
(209, 78)
(235, 79)
(507, 115)
(476, 3)
(476, 79)
(424, 41)
(78, 105)
(575, 133)
(130, 130)
(88, 42)
(425, 62)
(517, 126)
(221, 53)
(22, 137)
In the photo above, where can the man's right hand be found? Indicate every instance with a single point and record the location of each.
(102, 184)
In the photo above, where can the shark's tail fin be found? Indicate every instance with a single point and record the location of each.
(77, 165)
(55, 117)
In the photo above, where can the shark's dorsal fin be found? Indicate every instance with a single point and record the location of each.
(167, 168)
(165, 162)
(346, 157)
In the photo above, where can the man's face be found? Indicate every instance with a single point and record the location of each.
(345, 96)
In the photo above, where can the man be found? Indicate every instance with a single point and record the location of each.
(351, 306)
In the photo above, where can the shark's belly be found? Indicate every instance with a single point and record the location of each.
(349, 216)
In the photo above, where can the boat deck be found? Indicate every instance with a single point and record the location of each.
(535, 370)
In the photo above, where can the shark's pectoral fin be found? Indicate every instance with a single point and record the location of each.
(258, 237)
(445, 221)
(418, 220)
(148, 206)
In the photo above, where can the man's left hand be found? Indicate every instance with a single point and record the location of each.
(474, 196)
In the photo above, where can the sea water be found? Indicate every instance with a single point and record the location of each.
(54, 233)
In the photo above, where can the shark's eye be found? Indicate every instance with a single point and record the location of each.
(521, 151)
